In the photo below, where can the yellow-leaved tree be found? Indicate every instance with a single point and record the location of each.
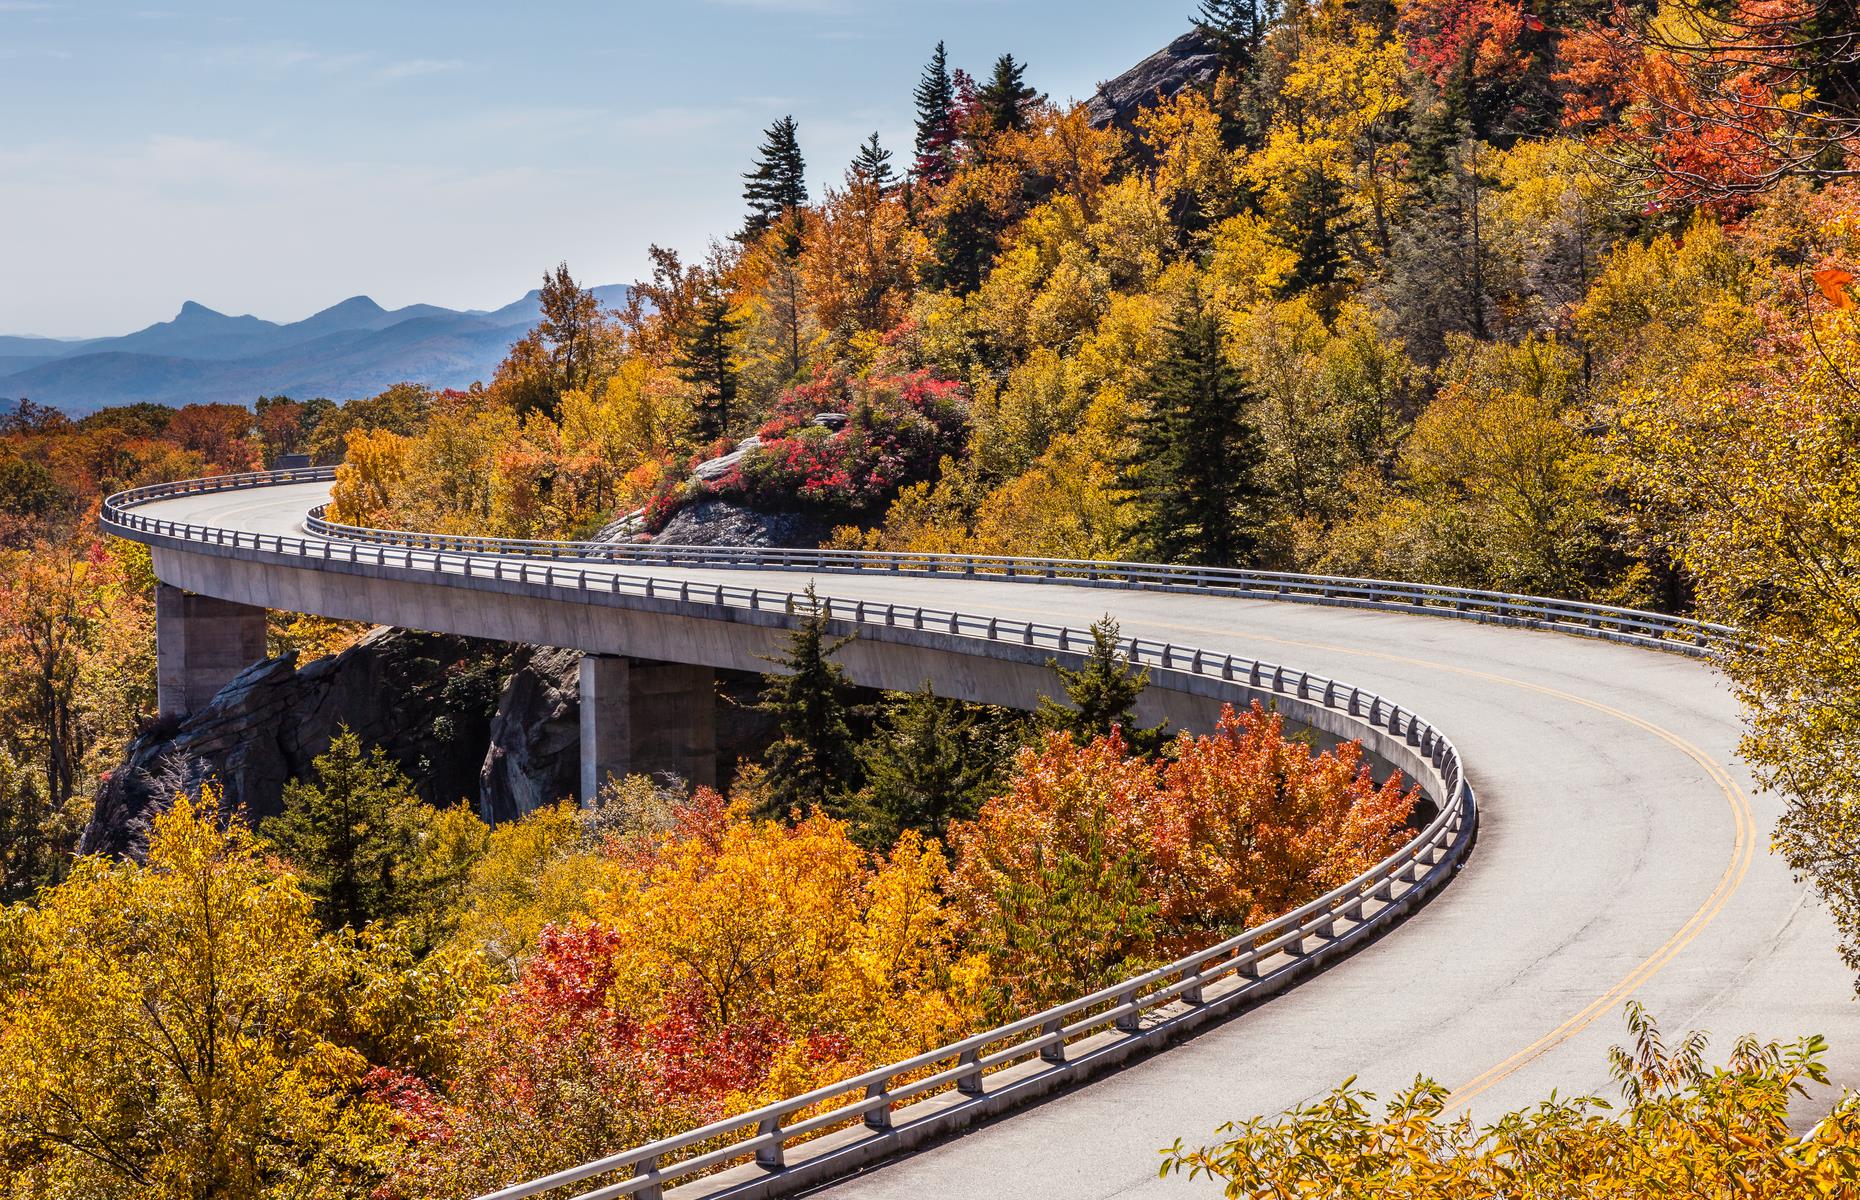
(1684, 1131)
(182, 1027)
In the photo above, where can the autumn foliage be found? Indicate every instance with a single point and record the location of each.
(1096, 862)
(1546, 297)
(1683, 1129)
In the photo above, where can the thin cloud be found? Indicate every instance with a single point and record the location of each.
(415, 68)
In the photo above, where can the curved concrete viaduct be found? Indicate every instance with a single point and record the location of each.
(1622, 850)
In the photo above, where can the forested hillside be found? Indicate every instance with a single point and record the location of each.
(1550, 297)
(1547, 298)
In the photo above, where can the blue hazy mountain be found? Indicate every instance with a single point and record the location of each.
(355, 348)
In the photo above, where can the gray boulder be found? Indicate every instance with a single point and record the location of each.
(720, 523)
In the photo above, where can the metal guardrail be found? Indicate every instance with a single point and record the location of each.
(1681, 634)
(950, 1086)
(1658, 630)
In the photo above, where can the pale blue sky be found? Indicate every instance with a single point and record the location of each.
(276, 158)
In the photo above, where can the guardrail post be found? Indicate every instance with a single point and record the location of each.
(1193, 994)
(878, 1118)
(648, 1168)
(1131, 1021)
(771, 1156)
(1055, 1053)
(971, 1083)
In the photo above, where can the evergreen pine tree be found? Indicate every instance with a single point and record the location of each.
(1236, 29)
(778, 184)
(1102, 695)
(1321, 222)
(1441, 258)
(936, 121)
(928, 763)
(964, 244)
(350, 833)
(871, 167)
(705, 363)
(812, 763)
(1193, 471)
(1005, 97)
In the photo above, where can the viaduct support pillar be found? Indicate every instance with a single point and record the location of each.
(200, 644)
(646, 718)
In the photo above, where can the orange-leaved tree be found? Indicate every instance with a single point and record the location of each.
(724, 963)
(1095, 862)
(1250, 823)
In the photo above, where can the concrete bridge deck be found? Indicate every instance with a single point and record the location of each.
(1622, 854)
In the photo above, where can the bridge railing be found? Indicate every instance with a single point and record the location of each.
(1659, 630)
(867, 1116)
(1675, 633)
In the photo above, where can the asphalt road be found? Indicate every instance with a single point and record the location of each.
(1622, 854)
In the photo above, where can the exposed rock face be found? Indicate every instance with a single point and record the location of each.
(1185, 63)
(465, 719)
(425, 699)
(720, 523)
(534, 754)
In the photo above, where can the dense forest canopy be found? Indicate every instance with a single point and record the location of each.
(1552, 297)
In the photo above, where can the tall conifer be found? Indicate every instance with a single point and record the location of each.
(1236, 29)
(813, 763)
(705, 363)
(1004, 99)
(871, 167)
(936, 121)
(778, 185)
(1192, 477)
(350, 833)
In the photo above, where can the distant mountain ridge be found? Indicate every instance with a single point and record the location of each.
(355, 348)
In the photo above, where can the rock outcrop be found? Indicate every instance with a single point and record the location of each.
(494, 725)
(426, 699)
(1187, 62)
(720, 523)
(534, 754)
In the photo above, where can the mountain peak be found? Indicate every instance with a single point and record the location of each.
(193, 310)
(353, 306)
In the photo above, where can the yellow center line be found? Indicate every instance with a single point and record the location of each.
(1743, 851)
